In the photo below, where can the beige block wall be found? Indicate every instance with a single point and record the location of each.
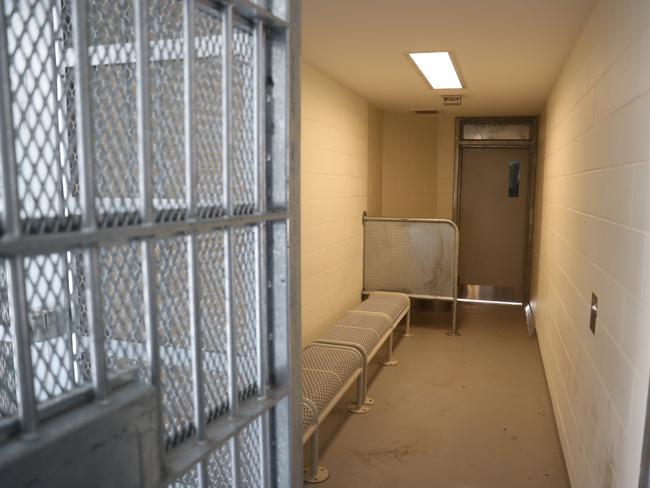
(593, 235)
(341, 156)
(410, 165)
(446, 163)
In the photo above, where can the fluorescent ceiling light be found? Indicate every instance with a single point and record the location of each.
(438, 69)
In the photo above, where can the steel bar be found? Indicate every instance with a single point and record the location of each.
(143, 108)
(87, 176)
(190, 195)
(227, 106)
(250, 10)
(29, 245)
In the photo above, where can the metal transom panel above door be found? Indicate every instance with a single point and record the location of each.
(493, 213)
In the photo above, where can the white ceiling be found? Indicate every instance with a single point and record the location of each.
(509, 52)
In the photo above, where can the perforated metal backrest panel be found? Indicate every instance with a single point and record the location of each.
(367, 339)
(412, 257)
(389, 310)
(399, 299)
(378, 323)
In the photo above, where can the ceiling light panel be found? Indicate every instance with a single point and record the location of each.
(438, 69)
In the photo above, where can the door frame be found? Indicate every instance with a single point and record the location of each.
(531, 144)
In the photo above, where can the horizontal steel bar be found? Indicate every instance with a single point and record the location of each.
(183, 458)
(489, 143)
(35, 244)
(399, 219)
(252, 11)
(418, 297)
(66, 402)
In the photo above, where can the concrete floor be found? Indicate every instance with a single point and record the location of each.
(458, 412)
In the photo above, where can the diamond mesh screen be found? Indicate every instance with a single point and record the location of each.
(8, 405)
(113, 93)
(219, 468)
(168, 108)
(243, 87)
(123, 308)
(212, 303)
(250, 455)
(246, 310)
(42, 94)
(208, 117)
(416, 258)
(59, 351)
(174, 337)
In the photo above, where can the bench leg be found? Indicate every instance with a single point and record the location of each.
(454, 331)
(314, 473)
(390, 361)
(408, 324)
(360, 405)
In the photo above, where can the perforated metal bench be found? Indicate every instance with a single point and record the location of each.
(328, 370)
(392, 305)
(366, 332)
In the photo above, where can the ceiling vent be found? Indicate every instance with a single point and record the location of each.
(426, 112)
(451, 99)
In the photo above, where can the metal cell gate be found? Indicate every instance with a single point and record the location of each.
(148, 232)
(418, 257)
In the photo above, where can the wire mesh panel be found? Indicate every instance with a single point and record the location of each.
(58, 358)
(246, 312)
(243, 87)
(208, 117)
(123, 308)
(113, 91)
(415, 257)
(219, 468)
(168, 109)
(37, 32)
(250, 455)
(175, 342)
(212, 303)
(8, 402)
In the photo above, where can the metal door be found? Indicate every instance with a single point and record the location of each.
(149, 326)
(494, 206)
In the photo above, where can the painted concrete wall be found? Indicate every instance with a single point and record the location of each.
(419, 154)
(341, 177)
(445, 168)
(410, 165)
(592, 235)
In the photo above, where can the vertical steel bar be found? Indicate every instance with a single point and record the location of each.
(14, 266)
(145, 163)
(260, 139)
(143, 107)
(227, 105)
(86, 172)
(260, 115)
(292, 152)
(95, 322)
(190, 193)
(202, 475)
(233, 395)
(262, 329)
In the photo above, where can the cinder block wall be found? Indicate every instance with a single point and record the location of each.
(341, 177)
(592, 235)
(410, 165)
